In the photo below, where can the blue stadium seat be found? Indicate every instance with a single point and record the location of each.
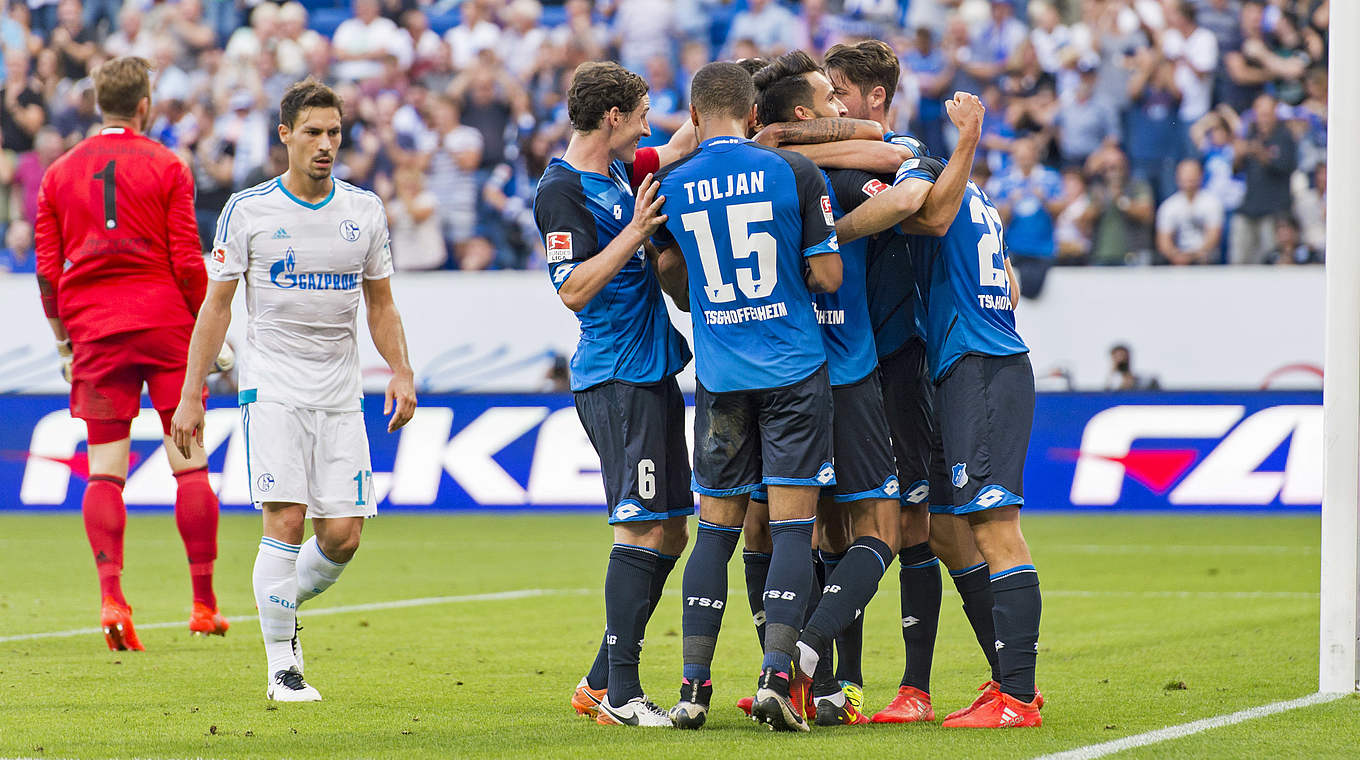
(326, 20)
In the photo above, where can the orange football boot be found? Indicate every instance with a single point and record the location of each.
(116, 620)
(207, 621)
(987, 690)
(586, 701)
(911, 705)
(1000, 711)
(745, 704)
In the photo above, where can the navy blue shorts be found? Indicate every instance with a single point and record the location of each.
(639, 433)
(908, 402)
(986, 407)
(775, 436)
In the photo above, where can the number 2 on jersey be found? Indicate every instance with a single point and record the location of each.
(755, 281)
(989, 245)
(106, 176)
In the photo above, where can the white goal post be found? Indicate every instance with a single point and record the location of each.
(1338, 668)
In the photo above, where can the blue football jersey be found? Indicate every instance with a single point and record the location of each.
(968, 303)
(626, 333)
(844, 314)
(895, 307)
(745, 217)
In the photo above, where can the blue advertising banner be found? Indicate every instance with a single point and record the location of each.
(1089, 451)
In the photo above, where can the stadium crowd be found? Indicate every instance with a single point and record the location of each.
(1118, 132)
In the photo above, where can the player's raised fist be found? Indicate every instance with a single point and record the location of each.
(966, 111)
(647, 214)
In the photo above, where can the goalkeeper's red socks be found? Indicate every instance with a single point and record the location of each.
(105, 520)
(196, 512)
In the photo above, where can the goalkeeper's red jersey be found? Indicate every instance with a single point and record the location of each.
(117, 243)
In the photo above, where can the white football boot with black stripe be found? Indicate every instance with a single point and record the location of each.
(638, 711)
(288, 686)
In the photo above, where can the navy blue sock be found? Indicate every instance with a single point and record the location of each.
(1015, 612)
(705, 591)
(975, 587)
(850, 643)
(920, 578)
(847, 592)
(757, 566)
(787, 591)
(598, 677)
(627, 603)
(665, 563)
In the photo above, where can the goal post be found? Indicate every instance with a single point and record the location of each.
(1338, 667)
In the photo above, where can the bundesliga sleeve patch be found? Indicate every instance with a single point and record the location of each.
(873, 187)
(826, 210)
(219, 255)
(559, 247)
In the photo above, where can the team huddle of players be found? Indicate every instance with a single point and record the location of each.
(130, 301)
(862, 390)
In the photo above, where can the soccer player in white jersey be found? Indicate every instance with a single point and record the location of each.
(306, 245)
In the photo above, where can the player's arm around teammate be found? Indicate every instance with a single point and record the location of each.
(923, 207)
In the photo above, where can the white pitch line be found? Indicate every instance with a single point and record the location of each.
(1176, 548)
(395, 604)
(1188, 729)
(1184, 594)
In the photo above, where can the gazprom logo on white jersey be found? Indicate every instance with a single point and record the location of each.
(282, 274)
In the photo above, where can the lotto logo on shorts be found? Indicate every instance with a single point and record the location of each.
(826, 210)
(826, 475)
(873, 187)
(559, 246)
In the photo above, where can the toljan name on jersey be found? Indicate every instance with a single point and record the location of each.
(989, 301)
(746, 314)
(744, 183)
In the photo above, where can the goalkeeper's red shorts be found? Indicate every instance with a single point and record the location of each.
(107, 376)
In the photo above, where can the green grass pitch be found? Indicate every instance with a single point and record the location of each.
(1149, 621)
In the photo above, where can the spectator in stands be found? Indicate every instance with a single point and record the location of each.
(1189, 223)
(1085, 122)
(417, 243)
(29, 169)
(362, 43)
(131, 38)
(185, 24)
(1051, 39)
(168, 81)
(668, 105)
(819, 28)
(73, 41)
(1155, 139)
(1122, 377)
(1029, 197)
(1289, 248)
(1310, 207)
(22, 109)
(1267, 154)
(994, 42)
(249, 41)
(452, 172)
(492, 101)
(17, 256)
(210, 157)
(771, 26)
(583, 29)
(510, 193)
(642, 28)
(1070, 230)
(294, 40)
(475, 32)
(1121, 211)
(247, 129)
(1194, 52)
(1250, 66)
(928, 63)
(75, 120)
(523, 38)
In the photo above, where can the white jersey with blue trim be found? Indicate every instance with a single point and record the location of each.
(304, 265)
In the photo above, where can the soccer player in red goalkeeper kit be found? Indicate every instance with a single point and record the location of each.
(122, 278)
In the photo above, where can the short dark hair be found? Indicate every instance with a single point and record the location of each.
(752, 65)
(867, 64)
(596, 88)
(306, 94)
(783, 86)
(722, 88)
(120, 84)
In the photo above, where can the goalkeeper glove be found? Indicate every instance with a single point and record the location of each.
(64, 351)
(226, 359)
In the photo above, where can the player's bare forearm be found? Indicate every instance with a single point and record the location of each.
(873, 156)
(674, 276)
(1015, 284)
(824, 273)
(883, 210)
(58, 329)
(819, 131)
(590, 276)
(210, 331)
(389, 337)
(945, 197)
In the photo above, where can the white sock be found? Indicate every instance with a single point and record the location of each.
(807, 660)
(315, 571)
(836, 698)
(275, 580)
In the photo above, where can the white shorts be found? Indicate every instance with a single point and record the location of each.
(309, 456)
